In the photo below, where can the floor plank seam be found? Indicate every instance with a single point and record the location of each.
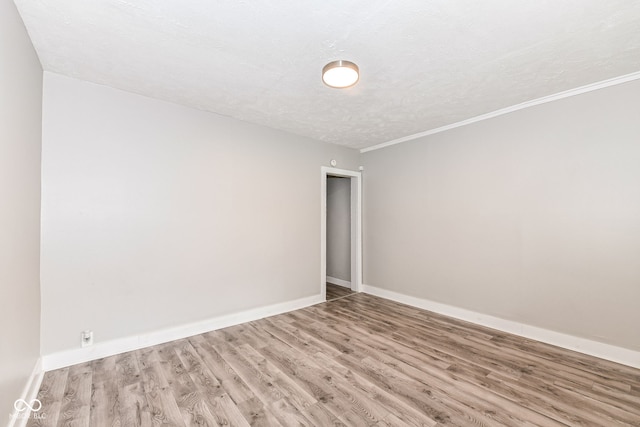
(339, 298)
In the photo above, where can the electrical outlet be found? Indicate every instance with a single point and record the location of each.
(87, 338)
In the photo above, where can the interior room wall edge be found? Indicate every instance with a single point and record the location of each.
(121, 345)
(609, 352)
(339, 282)
(30, 392)
(550, 98)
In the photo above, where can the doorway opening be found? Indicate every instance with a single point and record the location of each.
(341, 232)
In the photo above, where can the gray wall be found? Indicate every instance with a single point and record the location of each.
(533, 216)
(339, 228)
(156, 215)
(20, 143)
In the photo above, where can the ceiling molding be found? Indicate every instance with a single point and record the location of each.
(424, 64)
(550, 98)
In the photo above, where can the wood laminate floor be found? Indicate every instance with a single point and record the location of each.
(335, 291)
(355, 361)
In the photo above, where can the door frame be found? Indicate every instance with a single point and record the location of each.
(356, 226)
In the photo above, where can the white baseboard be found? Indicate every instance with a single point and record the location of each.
(339, 282)
(570, 342)
(121, 345)
(30, 392)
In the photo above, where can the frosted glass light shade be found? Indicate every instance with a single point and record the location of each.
(340, 74)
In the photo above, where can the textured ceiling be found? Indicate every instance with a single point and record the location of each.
(424, 64)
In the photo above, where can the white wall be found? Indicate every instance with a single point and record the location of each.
(156, 215)
(20, 144)
(532, 217)
(339, 228)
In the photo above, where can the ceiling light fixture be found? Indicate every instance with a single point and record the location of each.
(340, 74)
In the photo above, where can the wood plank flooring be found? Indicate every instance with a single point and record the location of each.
(355, 361)
(335, 291)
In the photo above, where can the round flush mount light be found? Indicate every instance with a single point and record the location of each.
(340, 74)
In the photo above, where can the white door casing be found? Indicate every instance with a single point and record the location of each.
(356, 226)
